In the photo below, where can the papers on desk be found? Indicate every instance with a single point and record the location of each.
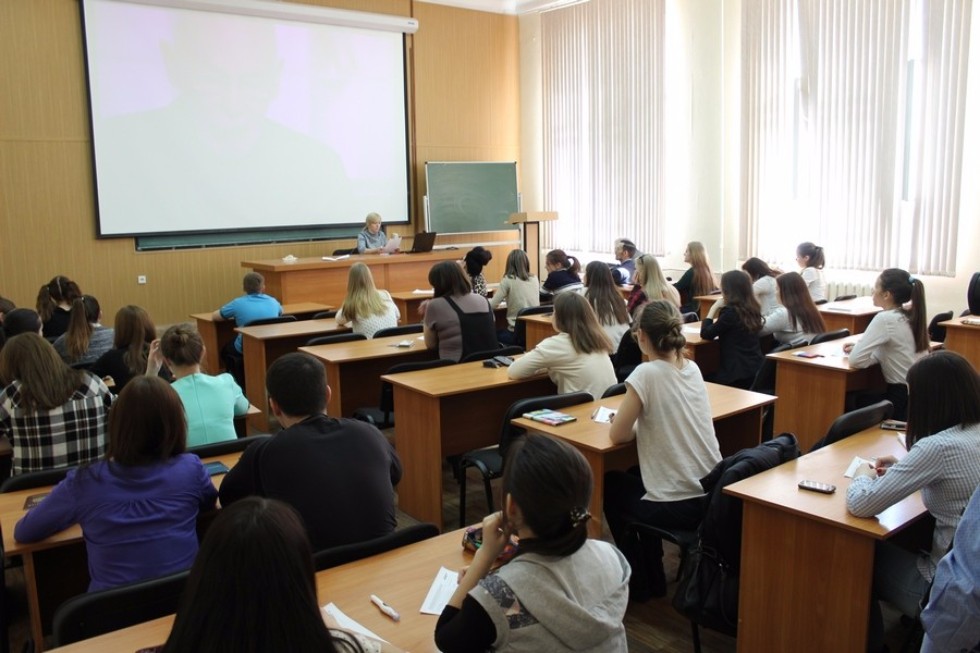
(335, 258)
(422, 291)
(857, 462)
(347, 623)
(440, 592)
(687, 328)
(603, 415)
(842, 309)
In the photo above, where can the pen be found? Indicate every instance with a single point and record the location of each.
(595, 412)
(385, 608)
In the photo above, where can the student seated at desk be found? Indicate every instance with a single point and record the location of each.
(371, 240)
(563, 273)
(366, 308)
(253, 588)
(138, 507)
(86, 339)
(577, 359)
(943, 462)
(253, 305)
(561, 591)
(763, 283)
(211, 403)
(54, 416)
(133, 332)
(338, 473)
(697, 280)
(456, 321)
(735, 321)
(666, 410)
(895, 338)
(650, 285)
(605, 300)
(797, 317)
(54, 302)
(519, 288)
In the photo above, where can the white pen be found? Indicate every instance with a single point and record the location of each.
(384, 607)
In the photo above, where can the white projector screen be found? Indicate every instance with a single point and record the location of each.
(210, 121)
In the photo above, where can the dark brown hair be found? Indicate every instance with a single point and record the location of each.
(21, 320)
(944, 391)
(736, 288)
(560, 258)
(133, 331)
(574, 316)
(181, 344)
(46, 382)
(904, 289)
(551, 483)
(757, 268)
(146, 423)
(298, 383)
(813, 253)
(85, 311)
(59, 289)
(447, 279)
(603, 296)
(476, 259)
(793, 294)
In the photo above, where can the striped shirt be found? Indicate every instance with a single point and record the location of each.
(71, 434)
(945, 466)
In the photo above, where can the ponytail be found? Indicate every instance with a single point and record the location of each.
(904, 288)
(84, 311)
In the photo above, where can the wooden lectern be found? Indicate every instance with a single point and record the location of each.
(532, 234)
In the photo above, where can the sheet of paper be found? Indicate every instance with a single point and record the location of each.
(603, 415)
(422, 291)
(857, 462)
(392, 245)
(347, 623)
(440, 592)
(687, 328)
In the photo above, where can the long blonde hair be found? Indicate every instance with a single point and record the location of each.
(704, 281)
(651, 278)
(576, 317)
(363, 299)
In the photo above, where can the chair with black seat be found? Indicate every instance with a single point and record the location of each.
(96, 613)
(272, 320)
(345, 251)
(690, 318)
(614, 389)
(340, 555)
(227, 447)
(490, 461)
(820, 301)
(830, 335)
(854, 422)
(325, 315)
(30, 480)
(403, 330)
(335, 338)
(513, 350)
(627, 356)
(383, 415)
(765, 382)
(936, 332)
(520, 326)
(843, 298)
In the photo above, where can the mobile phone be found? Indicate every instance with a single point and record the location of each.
(216, 467)
(504, 360)
(893, 425)
(807, 354)
(491, 363)
(816, 486)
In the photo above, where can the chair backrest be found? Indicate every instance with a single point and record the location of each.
(690, 317)
(614, 389)
(335, 338)
(387, 402)
(402, 330)
(854, 422)
(226, 447)
(273, 320)
(339, 555)
(765, 378)
(820, 301)
(830, 335)
(30, 480)
(344, 251)
(95, 613)
(973, 294)
(936, 332)
(83, 366)
(520, 327)
(509, 433)
(627, 356)
(490, 353)
(325, 315)
(841, 298)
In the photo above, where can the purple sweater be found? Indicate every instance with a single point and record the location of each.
(138, 522)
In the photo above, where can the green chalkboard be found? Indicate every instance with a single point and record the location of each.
(471, 196)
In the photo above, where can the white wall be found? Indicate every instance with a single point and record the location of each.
(703, 104)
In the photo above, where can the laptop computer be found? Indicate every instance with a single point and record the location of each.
(423, 242)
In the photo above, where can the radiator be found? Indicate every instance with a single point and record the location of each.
(840, 286)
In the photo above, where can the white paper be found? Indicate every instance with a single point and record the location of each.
(603, 415)
(857, 462)
(335, 258)
(347, 623)
(392, 245)
(440, 592)
(687, 328)
(422, 291)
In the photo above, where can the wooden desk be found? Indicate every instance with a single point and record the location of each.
(261, 345)
(537, 328)
(705, 302)
(852, 314)
(706, 353)
(806, 562)
(218, 333)
(402, 577)
(12, 509)
(737, 416)
(444, 412)
(408, 303)
(964, 339)
(354, 369)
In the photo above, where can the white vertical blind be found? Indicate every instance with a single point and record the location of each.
(602, 75)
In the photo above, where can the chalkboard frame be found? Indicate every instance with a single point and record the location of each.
(470, 196)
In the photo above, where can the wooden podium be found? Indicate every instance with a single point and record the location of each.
(532, 234)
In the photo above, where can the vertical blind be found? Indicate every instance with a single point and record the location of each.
(602, 76)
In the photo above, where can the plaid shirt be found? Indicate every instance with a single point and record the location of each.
(71, 434)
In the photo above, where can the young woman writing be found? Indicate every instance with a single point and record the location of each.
(562, 591)
(895, 338)
(366, 308)
(735, 320)
(666, 410)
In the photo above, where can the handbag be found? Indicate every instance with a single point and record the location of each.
(707, 593)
